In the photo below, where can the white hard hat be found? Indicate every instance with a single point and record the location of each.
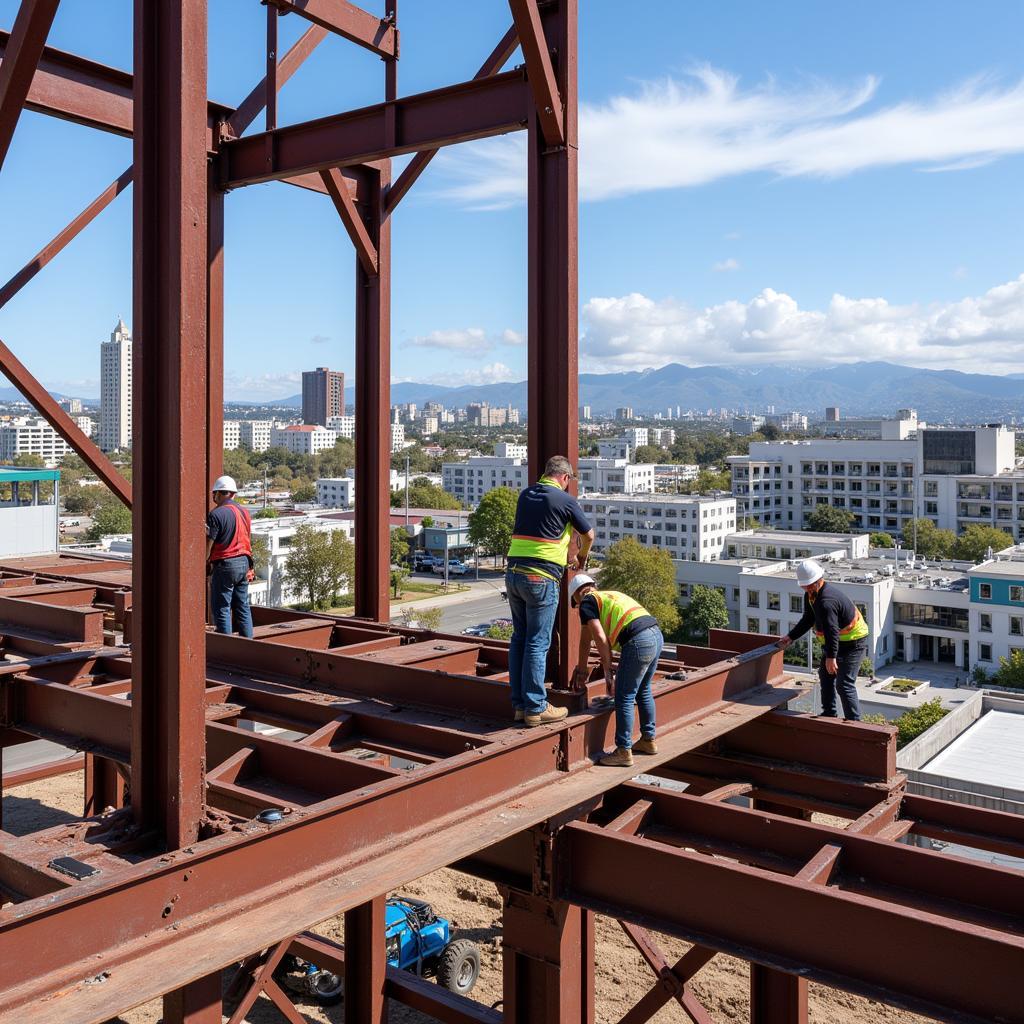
(579, 580)
(808, 572)
(225, 483)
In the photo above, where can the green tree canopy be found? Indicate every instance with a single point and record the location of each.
(707, 481)
(424, 494)
(1011, 671)
(974, 542)
(320, 564)
(110, 518)
(650, 453)
(260, 552)
(266, 513)
(490, 526)
(28, 460)
(303, 491)
(646, 574)
(500, 631)
(399, 545)
(422, 618)
(826, 519)
(705, 611)
(931, 542)
(882, 540)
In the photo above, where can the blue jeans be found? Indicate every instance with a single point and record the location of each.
(533, 602)
(845, 681)
(229, 596)
(637, 662)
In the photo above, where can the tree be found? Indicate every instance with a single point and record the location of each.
(705, 612)
(1010, 672)
(266, 513)
(826, 519)
(707, 481)
(81, 500)
(973, 544)
(399, 574)
(650, 453)
(321, 564)
(770, 432)
(427, 522)
(914, 721)
(931, 542)
(867, 668)
(110, 519)
(882, 540)
(27, 460)
(424, 494)
(648, 575)
(490, 526)
(260, 553)
(500, 631)
(399, 545)
(422, 618)
(304, 491)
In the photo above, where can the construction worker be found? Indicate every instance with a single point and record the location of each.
(546, 516)
(229, 560)
(839, 623)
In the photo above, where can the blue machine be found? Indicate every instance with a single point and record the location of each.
(417, 940)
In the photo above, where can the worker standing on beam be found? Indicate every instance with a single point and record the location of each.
(839, 623)
(610, 620)
(229, 560)
(546, 516)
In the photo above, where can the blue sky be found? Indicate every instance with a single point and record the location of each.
(760, 183)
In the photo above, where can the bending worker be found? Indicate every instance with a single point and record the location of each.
(611, 619)
(229, 557)
(546, 516)
(839, 623)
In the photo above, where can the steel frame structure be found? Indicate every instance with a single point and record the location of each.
(401, 759)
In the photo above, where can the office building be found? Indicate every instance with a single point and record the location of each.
(232, 435)
(303, 439)
(832, 414)
(746, 425)
(337, 492)
(31, 435)
(116, 390)
(688, 527)
(624, 412)
(509, 450)
(84, 424)
(469, 481)
(255, 434)
(663, 437)
(397, 437)
(323, 395)
(585, 413)
(615, 476)
(71, 405)
(343, 426)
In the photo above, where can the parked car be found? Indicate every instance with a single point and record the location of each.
(455, 568)
(480, 629)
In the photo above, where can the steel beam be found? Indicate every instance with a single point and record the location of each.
(378, 35)
(418, 164)
(553, 314)
(366, 963)
(337, 189)
(458, 113)
(543, 83)
(24, 48)
(170, 438)
(214, 331)
(373, 404)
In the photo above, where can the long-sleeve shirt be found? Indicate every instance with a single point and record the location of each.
(829, 612)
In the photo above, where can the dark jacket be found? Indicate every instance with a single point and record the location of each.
(828, 613)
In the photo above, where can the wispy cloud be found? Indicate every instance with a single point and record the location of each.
(492, 373)
(679, 133)
(467, 341)
(264, 387)
(984, 332)
(724, 266)
(320, 339)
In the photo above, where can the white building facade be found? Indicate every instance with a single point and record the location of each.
(31, 435)
(232, 435)
(469, 481)
(255, 434)
(337, 492)
(615, 476)
(343, 426)
(303, 439)
(116, 390)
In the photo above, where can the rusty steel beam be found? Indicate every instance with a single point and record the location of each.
(170, 410)
(458, 113)
(15, 371)
(366, 251)
(418, 164)
(373, 403)
(553, 304)
(22, 53)
(214, 332)
(545, 87)
(49, 770)
(378, 35)
(367, 963)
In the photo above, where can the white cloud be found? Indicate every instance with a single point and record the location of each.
(468, 341)
(264, 387)
(961, 272)
(975, 334)
(510, 337)
(492, 373)
(724, 266)
(683, 133)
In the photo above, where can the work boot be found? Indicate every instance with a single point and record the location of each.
(645, 746)
(549, 714)
(519, 714)
(620, 757)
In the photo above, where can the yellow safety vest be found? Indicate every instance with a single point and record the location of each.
(856, 630)
(544, 548)
(616, 611)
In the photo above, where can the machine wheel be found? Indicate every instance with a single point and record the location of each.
(326, 987)
(459, 966)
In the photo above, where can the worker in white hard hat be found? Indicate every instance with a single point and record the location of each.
(229, 560)
(837, 621)
(610, 620)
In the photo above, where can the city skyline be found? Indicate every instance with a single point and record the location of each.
(876, 213)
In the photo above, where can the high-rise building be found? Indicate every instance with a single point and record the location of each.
(116, 390)
(585, 412)
(71, 405)
(323, 395)
(832, 414)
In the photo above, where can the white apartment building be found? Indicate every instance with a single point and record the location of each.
(509, 450)
(343, 426)
(663, 437)
(956, 478)
(71, 405)
(84, 424)
(397, 437)
(232, 435)
(429, 426)
(614, 448)
(337, 492)
(255, 434)
(635, 437)
(669, 476)
(610, 476)
(786, 545)
(689, 527)
(116, 390)
(31, 435)
(303, 439)
(469, 481)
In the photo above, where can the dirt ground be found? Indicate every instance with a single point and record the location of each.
(474, 908)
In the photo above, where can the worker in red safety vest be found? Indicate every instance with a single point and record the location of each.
(229, 560)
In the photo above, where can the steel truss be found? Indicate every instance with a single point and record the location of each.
(397, 756)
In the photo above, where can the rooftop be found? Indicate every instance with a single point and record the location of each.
(796, 536)
(654, 498)
(14, 474)
(990, 752)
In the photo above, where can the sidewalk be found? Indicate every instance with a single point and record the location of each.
(485, 588)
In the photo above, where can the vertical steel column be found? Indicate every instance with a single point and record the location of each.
(214, 331)
(373, 404)
(553, 292)
(104, 786)
(198, 1003)
(548, 961)
(170, 412)
(365, 964)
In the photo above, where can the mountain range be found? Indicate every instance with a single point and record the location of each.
(859, 389)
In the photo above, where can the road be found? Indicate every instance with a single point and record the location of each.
(469, 613)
